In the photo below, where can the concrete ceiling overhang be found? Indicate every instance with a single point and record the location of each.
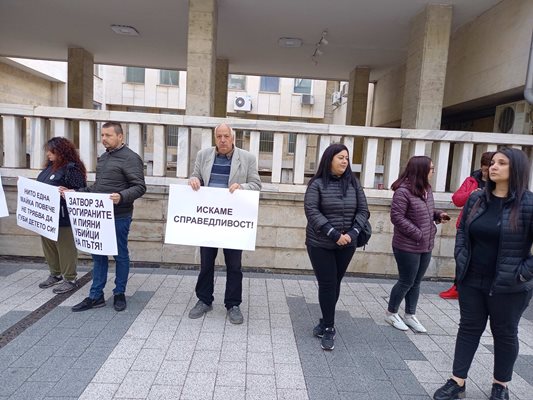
(373, 33)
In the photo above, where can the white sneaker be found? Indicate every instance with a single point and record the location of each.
(396, 321)
(413, 322)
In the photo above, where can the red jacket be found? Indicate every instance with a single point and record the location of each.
(460, 197)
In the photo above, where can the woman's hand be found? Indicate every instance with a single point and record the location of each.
(344, 240)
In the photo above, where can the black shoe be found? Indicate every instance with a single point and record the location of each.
(450, 391)
(89, 303)
(328, 342)
(499, 392)
(318, 331)
(119, 302)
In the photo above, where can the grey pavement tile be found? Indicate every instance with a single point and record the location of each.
(293, 394)
(149, 360)
(161, 392)
(90, 329)
(114, 370)
(127, 348)
(32, 390)
(172, 373)
(159, 340)
(73, 347)
(285, 354)
(209, 341)
(260, 385)
(380, 390)
(229, 393)
(180, 350)
(259, 343)
(34, 357)
(136, 385)
(53, 369)
(20, 345)
(204, 361)
(100, 391)
(12, 378)
(233, 351)
(408, 351)
(74, 382)
(231, 378)
(322, 388)
(199, 386)
(405, 382)
(11, 318)
(260, 363)
(56, 337)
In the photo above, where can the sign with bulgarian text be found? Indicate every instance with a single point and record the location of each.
(3, 204)
(38, 207)
(212, 217)
(93, 222)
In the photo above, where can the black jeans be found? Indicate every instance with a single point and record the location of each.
(330, 267)
(206, 279)
(504, 311)
(411, 269)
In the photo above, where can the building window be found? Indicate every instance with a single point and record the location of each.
(134, 75)
(237, 82)
(172, 135)
(302, 86)
(269, 84)
(239, 139)
(266, 142)
(292, 143)
(167, 77)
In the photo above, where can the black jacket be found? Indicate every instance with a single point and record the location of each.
(514, 252)
(120, 171)
(329, 213)
(69, 176)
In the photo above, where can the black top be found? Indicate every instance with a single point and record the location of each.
(485, 238)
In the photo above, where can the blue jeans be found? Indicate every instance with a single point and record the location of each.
(122, 262)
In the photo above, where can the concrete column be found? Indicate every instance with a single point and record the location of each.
(80, 78)
(221, 87)
(331, 86)
(426, 68)
(201, 66)
(356, 105)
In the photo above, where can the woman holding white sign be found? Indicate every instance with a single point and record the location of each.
(64, 168)
(336, 211)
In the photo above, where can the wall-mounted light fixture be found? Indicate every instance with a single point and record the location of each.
(318, 51)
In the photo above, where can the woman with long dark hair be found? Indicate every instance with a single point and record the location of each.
(64, 168)
(494, 271)
(336, 210)
(414, 218)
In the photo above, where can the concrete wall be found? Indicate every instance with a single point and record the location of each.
(487, 56)
(280, 239)
(490, 54)
(20, 87)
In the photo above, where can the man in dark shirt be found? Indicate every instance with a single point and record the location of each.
(222, 166)
(120, 171)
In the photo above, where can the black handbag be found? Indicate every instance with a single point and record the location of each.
(364, 235)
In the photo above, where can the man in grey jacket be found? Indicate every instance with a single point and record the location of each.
(120, 172)
(222, 166)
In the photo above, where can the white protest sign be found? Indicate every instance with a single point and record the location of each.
(212, 217)
(93, 222)
(38, 207)
(3, 205)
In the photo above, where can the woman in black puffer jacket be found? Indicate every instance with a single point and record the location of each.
(494, 270)
(336, 211)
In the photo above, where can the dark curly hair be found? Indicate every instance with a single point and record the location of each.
(65, 152)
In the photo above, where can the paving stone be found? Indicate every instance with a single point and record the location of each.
(113, 371)
(12, 378)
(74, 382)
(136, 385)
(172, 373)
(229, 393)
(53, 369)
(149, 360)
(34, 357)
(260, 363)
(32, 390)
(161, 392)
(199, 385)
(100, 391)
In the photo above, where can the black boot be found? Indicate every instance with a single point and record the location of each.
(499, 392)
(450, 391)
(318, 330)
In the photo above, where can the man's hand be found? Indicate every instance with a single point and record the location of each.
(115, 197)
(344, 240)
(195, 183)
(234, 187)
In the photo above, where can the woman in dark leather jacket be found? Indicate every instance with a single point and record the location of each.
(494, 270)
(64, 168)
(336, 210)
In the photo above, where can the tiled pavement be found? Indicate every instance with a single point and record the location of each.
(153, 351)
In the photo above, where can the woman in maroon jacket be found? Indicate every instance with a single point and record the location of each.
(414, 217)
(476, 181)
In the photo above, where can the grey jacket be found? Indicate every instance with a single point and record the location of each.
(414, 221)
(243, 168)
(119, 171)
(329, 213)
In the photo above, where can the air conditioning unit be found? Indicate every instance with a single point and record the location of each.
(242, 103)
(307, 99)
(336, 98)
(514, 118)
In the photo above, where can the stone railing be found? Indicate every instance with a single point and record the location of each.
(382, 147)
(281, 224)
